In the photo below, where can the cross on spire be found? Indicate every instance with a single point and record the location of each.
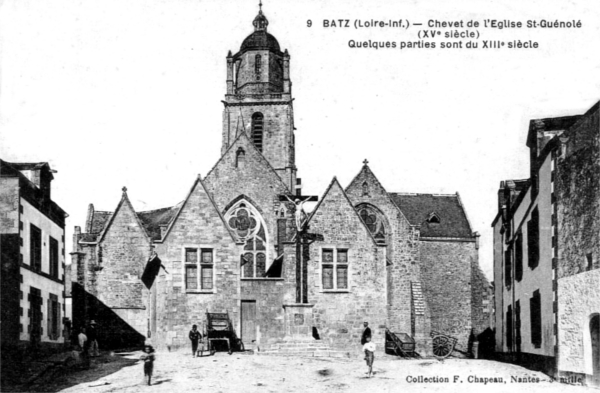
(365, 162)
(260, 5)
(124, 189)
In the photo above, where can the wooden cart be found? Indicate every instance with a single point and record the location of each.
(400, 343)
(219, 328)
(443, 345)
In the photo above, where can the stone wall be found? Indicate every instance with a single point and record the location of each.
(278, 137)
(254, 180)
(481, 299)
(268, 294)
(177, 309)
(578, 199)
(9, 205)
(339, 315)
(402, 248)
(447, 283)
(122, 257)
(578, 300)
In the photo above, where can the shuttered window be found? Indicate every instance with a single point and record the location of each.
(533, 239)
(535, 307)
(519, 257)
(35, 247)
(53, 257)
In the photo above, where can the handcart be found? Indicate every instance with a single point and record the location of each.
(443, 344)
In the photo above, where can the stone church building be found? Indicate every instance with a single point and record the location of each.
(400, 261)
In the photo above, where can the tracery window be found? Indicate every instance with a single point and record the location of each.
(373, 219)
(248, 226)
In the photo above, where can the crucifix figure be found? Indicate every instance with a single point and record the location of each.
(300, 213)
(303, 241)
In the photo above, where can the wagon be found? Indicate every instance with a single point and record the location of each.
(219, 328)
(443, 344)
(400, 343)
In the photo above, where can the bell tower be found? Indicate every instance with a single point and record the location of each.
(258, 100)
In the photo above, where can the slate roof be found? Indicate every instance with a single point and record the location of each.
(151, 221)
(418, 207)
(26, 166)
(99, 221)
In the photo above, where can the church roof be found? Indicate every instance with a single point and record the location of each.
(151, 221)
(418, 208)
(260, 40)
(154, 219)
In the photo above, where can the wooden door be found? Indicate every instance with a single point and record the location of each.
(248, 321)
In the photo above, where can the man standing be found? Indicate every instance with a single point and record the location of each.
(93, 339)
(195, 336)
(366, 333)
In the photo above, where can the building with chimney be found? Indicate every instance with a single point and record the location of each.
(546, 239)
(32, 236)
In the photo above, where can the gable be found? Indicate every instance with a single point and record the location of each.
(255, 178)
(123, 221)
(336, 219)
(366, 188)
(197, 220)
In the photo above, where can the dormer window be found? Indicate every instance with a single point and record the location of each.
(433, 218)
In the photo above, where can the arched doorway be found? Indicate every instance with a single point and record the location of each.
(595, 341)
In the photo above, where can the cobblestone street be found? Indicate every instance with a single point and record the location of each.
(179, 372)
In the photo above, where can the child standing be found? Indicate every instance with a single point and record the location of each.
(369, 349)
(148, 358)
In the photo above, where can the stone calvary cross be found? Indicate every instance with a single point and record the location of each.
(303, 241)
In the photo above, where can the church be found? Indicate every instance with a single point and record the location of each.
(241, 243)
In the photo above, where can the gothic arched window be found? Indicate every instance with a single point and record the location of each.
(257, 130)
(374, 220)
(240, 158)
(257, 66)
(249, 227)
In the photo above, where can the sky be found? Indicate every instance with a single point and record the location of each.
(127, 93)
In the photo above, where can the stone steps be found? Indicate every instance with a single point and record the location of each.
(303, 348)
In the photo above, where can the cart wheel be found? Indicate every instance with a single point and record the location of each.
(442, 347)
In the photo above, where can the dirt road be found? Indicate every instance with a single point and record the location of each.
(179, 372)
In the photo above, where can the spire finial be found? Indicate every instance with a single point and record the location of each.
(260, 22)
(124, 189)
(365, 162)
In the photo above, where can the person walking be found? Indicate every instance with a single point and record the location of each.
(369, 349)
(93, 339)
(148, 357)
(83, 345)
(195, 337)
(365, 334)
(82, 339)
